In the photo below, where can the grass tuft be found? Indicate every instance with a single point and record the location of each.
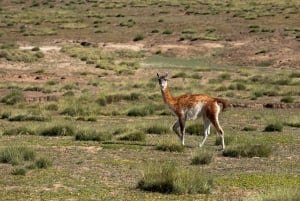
(19, 131)
(92, 135)
(202, 157)
(249, 151)
(157, 129)
(195, 129)
(134, 136)
(278, 194)
(43, 163)
(273, 127)
(58, 130)
(16, 155)
(170, 145)
(168, 177)
(15, 96)
(19, 171)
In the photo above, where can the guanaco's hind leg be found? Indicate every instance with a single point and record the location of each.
(212, 114)
(206, 130)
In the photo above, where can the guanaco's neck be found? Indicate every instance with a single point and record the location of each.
(167, 96)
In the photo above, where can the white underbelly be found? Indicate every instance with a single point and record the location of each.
(194, 112)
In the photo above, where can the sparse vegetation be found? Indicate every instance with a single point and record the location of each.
(80, 95)
(249, 151)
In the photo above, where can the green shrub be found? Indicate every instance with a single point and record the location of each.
(19, 171)
(19, 131)
(22, 117)
(138, 37)
(277, 194)
(141, 111)
(16, 155)
(195, 129)
(287, 99)
(273, 127)
(171, 146)
(5, 115)
(202, 157)
(180, 75)
(224, 76)
(167, 32)
(249, 128)
(52, 107)
(57, 130)
(240, 86)
(295, 75)
(168, 177)
(92, 135)
(43, 163)
(101, 101)
(249, 151)
(14, 97)
(9, 45)
(157, 129)
(134, 136)
(20, 55)
(296, 125)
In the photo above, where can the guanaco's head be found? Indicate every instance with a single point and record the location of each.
(163, 81)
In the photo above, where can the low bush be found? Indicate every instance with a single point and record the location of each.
(19, 171)
(249, 151)
(134, 136)
(287, 99)
(202, 157)
(157, 129)
(170, 145)
(20, 55)
(43, 163)
(278, 194)
(22, 117)
(195, 129)
(15, 96)
(52, 107)
(92, 135)
(273, 127)
(141, 111)
(19, 131)
(296, 125)
(168, 177)
(57, 130)
(16, 155)
(138, 37)
(249, 128)
(5, 115)
(180, 75)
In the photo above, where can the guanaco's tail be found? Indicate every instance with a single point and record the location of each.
(222, 101)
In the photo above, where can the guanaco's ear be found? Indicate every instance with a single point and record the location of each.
(157, 75)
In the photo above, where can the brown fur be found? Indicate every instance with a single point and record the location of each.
(182, 105)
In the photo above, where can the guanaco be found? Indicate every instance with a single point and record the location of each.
(190, 107)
